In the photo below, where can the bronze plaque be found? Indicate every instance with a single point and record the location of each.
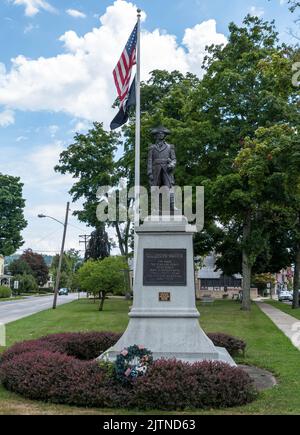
(164, 267)
(164, 297)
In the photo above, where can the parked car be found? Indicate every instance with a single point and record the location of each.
(63, 292)
(285, 296)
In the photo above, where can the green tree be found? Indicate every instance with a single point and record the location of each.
(103, 276)
(247, 86)
(98, 246)
(37, 264)
(12, 220)
(262, 281)
(270, 163)
(90, 159)
(70, 264)
(20, 267)
(27, 283)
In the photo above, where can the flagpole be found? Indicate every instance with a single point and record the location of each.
(138, 123)
(137, 137)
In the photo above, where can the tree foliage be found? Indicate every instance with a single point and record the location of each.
(20, 267)
(294, 4)
(103, 276)
(27, 283)
(12, 220)
(262, 281)
(98, 246)
(71, 262)
(90, 159)
(37, 264)
(230, 133)
(247, 89)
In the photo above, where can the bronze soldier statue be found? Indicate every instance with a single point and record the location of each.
(162, 163)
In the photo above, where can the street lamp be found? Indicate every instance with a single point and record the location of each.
(50, 217)
(65, 224)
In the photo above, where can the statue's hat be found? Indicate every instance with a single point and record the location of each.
(160, 129)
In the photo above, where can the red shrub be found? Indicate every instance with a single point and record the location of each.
(167, 385)
(24, 347)
(233, 345)
(59, 369)
(222, 385)
(84, 346)
(177, 385)
(57, 378)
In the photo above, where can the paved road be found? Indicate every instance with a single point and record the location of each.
(15, 310)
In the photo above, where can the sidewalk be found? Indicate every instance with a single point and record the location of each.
(289, 325)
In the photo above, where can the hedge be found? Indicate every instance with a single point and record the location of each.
(90, 345)
(5, 292)
(234, 346)
(60, 369)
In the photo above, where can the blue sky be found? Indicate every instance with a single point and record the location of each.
(55, 78)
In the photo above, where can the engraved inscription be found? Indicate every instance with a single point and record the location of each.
(164, 267)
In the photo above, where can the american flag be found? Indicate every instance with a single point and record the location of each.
(122, 72)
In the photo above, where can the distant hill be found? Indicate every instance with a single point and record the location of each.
(11, 258)
(48, 259)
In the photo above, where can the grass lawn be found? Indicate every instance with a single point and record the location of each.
(287, 308)
(267, 348)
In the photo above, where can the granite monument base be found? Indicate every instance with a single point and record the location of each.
(164, 317)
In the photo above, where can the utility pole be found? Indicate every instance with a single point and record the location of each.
(61, 257)
(86, 238)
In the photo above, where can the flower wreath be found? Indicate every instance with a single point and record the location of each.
(132, 362)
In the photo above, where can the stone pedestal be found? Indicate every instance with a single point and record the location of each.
(164, 317)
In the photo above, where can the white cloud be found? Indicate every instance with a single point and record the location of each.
(79, 81)
(256, 11)
(81, 126)
(7, 118)
(32, 7)
(36, 168)
(45, 234)
(75, 13)
(21, 138)
(43, 159)
(53, 129)
(30, 28)
(45, 192)
(197, 38)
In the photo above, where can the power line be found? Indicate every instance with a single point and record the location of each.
(44, 250)
(48, 235)
(77, 228)
(86, 238)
